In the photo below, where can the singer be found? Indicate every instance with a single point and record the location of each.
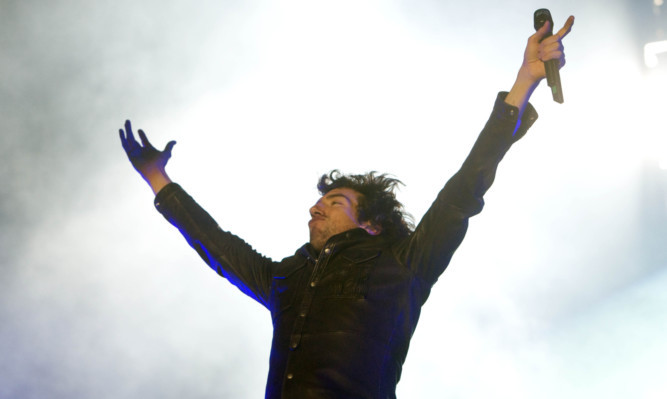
(345, 305)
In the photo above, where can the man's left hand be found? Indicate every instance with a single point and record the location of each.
(539, 51)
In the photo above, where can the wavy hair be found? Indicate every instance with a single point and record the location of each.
(377, 203)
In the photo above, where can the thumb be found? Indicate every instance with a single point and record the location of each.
(169, 146)
(543, 31)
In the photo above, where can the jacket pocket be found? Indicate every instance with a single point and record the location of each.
(349, 278)
(284, 287)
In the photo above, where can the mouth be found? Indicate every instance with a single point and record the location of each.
(315, 219)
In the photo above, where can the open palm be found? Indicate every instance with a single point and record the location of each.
(145, 158)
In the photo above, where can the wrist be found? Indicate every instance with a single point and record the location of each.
(527, 76)
(523, 88)
(157, 179)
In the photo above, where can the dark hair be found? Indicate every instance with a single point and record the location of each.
(377, 203)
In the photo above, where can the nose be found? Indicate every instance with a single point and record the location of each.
(316, 209)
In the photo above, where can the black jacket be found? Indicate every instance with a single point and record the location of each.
(342, 322)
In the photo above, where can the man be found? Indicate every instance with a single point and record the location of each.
(345, 305)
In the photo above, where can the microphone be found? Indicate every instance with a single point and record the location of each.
(553, 76)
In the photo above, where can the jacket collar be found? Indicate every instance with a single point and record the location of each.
(344, 240)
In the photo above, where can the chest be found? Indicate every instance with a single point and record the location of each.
(360, 282)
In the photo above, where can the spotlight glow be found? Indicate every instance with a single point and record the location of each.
(651, 52)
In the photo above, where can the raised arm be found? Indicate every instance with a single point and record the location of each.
(146, 159)
(225, 253)
(428, 251)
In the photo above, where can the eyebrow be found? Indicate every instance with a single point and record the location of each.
(330, 196)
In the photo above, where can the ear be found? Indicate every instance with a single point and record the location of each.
(370, 229)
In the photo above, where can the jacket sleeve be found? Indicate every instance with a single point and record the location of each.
(227, 254)
(428, 250)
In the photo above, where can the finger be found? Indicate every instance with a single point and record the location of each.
(547, 48)
(543, 31)
(123, 140)
(169, 146)
(551, 40)
(555, 55)
(128, 132)
(566, 28)
(144, 139)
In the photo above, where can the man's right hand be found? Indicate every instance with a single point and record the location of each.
(146, 159)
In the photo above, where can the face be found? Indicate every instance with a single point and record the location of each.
(334, 213)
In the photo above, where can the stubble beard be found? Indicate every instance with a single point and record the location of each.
(317, 239)
(319, 235)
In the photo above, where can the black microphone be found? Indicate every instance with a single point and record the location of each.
(553, 76)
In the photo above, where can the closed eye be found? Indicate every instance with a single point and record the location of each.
(338, 199)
